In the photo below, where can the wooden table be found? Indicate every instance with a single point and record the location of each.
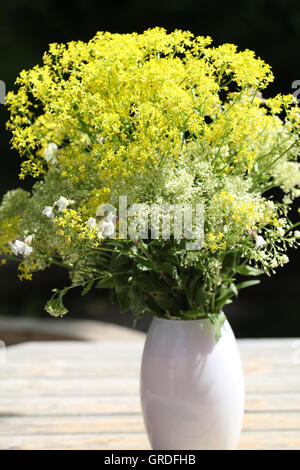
(84, 395)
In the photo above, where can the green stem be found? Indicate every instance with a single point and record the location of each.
(213, 298)
(276, 159)
(292, 227)
(163, 275)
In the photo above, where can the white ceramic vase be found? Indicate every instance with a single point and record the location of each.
(192, 387)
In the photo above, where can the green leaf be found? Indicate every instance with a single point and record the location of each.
(138, 302)
(228, 262)
(88, 287)
(106, 283)
(252, 282)
(153, 308)
(217, 320)
(166, 303)
(248, 270)
(193, 314)
(122, 280)
(193, 284)
(151, 284)
(163, 267)
(201, 296)
(234, 289)
(123, 299)
(120, 262)
(223, 299)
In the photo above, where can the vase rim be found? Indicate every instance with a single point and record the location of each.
(181, 320)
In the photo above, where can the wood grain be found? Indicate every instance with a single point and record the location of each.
(85, 395)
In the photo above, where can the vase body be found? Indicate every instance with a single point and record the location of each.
(192, 387)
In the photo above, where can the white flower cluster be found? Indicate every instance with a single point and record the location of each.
(22, 248)
(106, 227)
(287, 175)
(62, 203)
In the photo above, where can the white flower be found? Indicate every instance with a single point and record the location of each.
(28, 239)
(91, 223)
(62, 203)
(27, 250)
(20, 248)
(260, 242)
(108, 225)
(48, 212)
(14, 247)
(107, 228)
(50, 153)
(280, 231)
(225, 229)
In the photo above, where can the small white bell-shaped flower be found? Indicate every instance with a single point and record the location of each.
(91, 223)
(20, 248)
(62, 203)
(50, 153)
(48, 212)
(260, 241)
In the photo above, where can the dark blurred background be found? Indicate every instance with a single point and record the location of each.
(271, 28)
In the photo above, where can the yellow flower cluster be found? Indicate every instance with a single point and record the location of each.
(72, 227)
(214, 241)
(9, 229)
(244, 211)
(245, 67)
(280, 102)
(123, 104)
(26, 268)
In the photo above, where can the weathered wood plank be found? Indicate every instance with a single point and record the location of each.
(273, 353)
(62, 370)
(53, 406)
(272, 402)
(97, 405)
(94, 351)
(76, 442)
(273, 440)
(96, 388)
(55, 425)
(91, 406)
(279, 352)
(272, 421)
(271, 383)
(127, 423)
(253, 440)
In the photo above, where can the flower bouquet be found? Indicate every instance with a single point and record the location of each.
(154, 156)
